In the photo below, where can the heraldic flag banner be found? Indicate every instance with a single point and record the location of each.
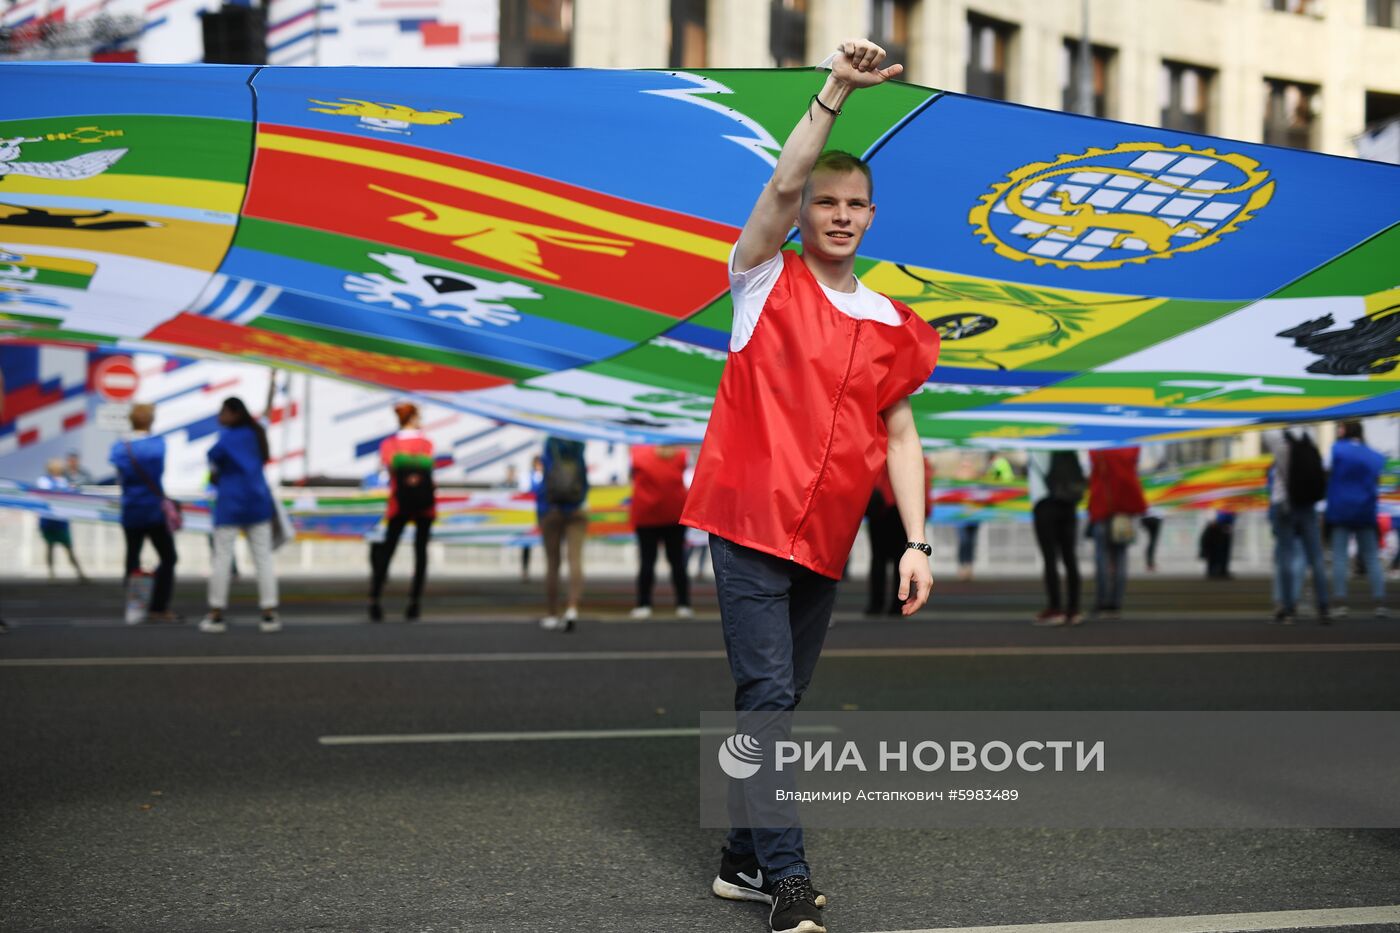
(548, 247)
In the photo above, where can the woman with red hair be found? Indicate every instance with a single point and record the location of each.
(408, 456)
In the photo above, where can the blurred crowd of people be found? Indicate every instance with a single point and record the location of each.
(1317, 511)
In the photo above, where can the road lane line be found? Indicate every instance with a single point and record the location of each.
(488, 657)
(433, 738)
(1207, 923)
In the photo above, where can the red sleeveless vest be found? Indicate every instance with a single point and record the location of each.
(796, 439)
(658, 487)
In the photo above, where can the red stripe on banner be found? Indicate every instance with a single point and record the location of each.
(30, 398)
(28, 437)
(152, 7)
(440, 34)
(220, 386)
(375, 368)
(283, 413)
(478, 229)
(74, 421)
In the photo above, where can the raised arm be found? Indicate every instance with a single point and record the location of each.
(857, 65)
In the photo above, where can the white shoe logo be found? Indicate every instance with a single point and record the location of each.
(756, 881)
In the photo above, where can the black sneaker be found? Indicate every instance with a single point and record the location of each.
(795, 907)
(741, 878)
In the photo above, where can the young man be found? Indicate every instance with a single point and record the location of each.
(812, 404)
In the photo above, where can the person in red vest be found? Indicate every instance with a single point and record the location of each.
(408, 456)
(813, 400)
(1115, 502)
(658, 496)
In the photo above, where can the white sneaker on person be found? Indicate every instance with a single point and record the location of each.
(640, 612)
(685, 612)
(551, 623)
(212, 624)
(271, 622)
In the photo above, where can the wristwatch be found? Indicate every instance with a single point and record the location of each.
(920, 546)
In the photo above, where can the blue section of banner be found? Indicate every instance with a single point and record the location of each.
(934, 171)
(633, 139)
(53, 89)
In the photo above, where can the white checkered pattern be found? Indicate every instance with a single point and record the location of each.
(1117, 193)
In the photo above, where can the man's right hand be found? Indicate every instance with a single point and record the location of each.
(857, 64)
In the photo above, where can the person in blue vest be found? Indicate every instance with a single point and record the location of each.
(139, 460)
(1353, 492)
(242, 502)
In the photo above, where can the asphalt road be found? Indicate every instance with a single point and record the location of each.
(156, 779)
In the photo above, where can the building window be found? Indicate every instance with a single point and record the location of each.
(689, 34)
(537, 33)
(787, 36)
(988, 56)
(889, 29)
(1290, 117)
(1299, 7)
(1383, 13)
(1185, 97)
(1100, 62)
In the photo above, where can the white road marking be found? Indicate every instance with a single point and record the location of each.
(430, 738)
(489, 657)
(1208, 923)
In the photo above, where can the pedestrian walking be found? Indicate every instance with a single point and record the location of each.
(1152, 525)
(74, 472)
(788, 462)
(409, 459)
(1115, 503)
(1297, 483)
(1353, 498)
(563, 519)
(139, 459)
(57, 532)
(886, 533)
(534, 485)
(242, 504)
(1057, 485)
(658, 496)
(967, 531)
(1216, 545)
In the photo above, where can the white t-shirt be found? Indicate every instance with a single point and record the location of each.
(750, 292)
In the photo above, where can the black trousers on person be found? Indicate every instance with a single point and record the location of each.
(1056, 533)
(382, 554)
(887, 542)
(1152, 524)
(164, 542)
(672, 537)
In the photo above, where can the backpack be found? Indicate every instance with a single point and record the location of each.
(1065, 482)
(414, 490)
(1307, 479)
(563, 481)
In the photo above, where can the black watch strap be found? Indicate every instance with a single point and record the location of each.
(920, 546)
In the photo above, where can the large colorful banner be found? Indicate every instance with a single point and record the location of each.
(548, 247)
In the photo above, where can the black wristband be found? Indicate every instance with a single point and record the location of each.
(919, 546)
(835, 112)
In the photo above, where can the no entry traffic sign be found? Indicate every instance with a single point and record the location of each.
(115, 379)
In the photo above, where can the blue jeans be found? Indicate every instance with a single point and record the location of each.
(967, 543)
(1110, 569)
(1368, 547)
(1295, 529)
(775, 614)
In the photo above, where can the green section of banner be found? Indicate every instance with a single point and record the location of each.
(350, 254)
(767, 98)
(668, 366)
(408, 351)
(1363, 270)
(174, 147)
(1167, 320)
